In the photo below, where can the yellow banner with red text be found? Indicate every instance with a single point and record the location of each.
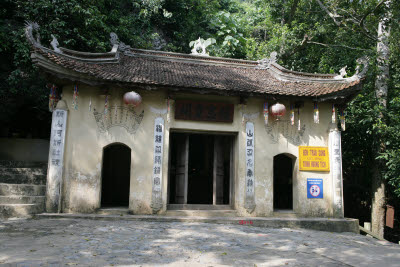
(313, 158)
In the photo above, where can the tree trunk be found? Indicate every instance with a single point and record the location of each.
(381, 91)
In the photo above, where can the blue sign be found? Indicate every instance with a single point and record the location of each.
(315, 188)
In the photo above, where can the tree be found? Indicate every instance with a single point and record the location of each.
(381, 91)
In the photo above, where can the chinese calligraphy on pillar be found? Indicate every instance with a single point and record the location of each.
(56, 155)
(337, 178)
(249, 201)
(157, 164)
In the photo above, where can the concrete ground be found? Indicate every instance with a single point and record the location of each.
(55, 242)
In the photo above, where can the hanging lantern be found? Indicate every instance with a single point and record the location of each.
(343, 119)
(266, 112)
(132, 98)
(278, 110)
(316, 112)
(53, 99)
(291, 114)
(75, 97)
(333, 113)
(298, 120)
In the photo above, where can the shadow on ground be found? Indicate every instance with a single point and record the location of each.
(120, 243)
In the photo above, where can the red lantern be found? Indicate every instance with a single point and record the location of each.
(278, 110)
(132, 98)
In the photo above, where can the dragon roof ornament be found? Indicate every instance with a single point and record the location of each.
(118, 45)
(362, 61)
(359, 74)
(265, 63)
(54, 43)
(201, 45)
(31, 26)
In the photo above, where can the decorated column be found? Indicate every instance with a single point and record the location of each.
(56, 157)
(156, 201)
(250, 200)
(335, 150)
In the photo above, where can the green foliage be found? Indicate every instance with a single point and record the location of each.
(390, 129)
(84, 25)
(228, 34)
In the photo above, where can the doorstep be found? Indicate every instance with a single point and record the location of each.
(320, 224)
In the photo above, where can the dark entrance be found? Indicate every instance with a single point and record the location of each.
(200, 169)
(283, 182)
(115, 175)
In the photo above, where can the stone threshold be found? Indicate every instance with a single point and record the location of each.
(319, 224)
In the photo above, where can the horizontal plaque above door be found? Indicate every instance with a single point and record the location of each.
(203, 111)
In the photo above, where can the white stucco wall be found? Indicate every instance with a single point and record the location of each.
(85, 143)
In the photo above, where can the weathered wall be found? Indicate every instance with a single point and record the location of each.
(22, 149)
(85, 143)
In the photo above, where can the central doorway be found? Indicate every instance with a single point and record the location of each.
(200, 169)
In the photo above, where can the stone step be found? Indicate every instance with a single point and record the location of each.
(20, 210)
(202, 213)
(23, 175)
(284, 214)
(22, 164)
(320, 224)
(22, 190)
(12, 199)
(113, 211)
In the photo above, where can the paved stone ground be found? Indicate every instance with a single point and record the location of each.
(59, 242)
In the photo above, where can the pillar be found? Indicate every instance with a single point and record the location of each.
(335, 153)
(156, 201)
(250, 180)
(56, 157)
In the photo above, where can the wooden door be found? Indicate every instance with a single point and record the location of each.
(218, 179)
(182, 164)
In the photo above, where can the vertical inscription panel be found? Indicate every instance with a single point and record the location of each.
(56, 157)
(336, 163)
(249, 150)
(157, 164)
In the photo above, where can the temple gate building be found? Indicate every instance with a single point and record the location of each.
(204, 132)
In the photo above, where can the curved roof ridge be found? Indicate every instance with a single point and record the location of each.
(126, 66)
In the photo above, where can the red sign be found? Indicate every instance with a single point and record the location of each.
(203, 111)
(389, 216)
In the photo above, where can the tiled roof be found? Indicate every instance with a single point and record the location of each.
(145, 67)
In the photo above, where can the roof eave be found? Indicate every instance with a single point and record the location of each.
(65, 76)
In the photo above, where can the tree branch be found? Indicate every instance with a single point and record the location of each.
(365, 31)
(293, 10)
(341, 46)
(303, 43)
(371, 11)
(333, 16)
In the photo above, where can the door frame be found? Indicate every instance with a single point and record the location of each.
(232, 172)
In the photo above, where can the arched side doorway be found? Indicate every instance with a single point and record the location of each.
(115, 175)
(283, 182)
